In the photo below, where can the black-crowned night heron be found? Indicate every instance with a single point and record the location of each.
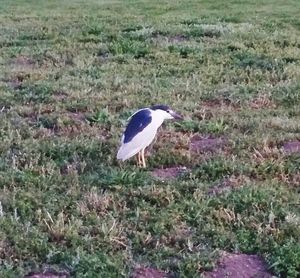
(141, 131)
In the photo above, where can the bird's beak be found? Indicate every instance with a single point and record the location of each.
(176, 116)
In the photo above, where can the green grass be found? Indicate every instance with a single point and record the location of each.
(72, 72)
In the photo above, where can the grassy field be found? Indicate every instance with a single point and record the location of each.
(71, 72)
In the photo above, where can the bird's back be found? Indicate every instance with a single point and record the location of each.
(133, 140)
(139, 121)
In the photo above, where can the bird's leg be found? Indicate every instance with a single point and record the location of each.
(143, 158)
(139, 160)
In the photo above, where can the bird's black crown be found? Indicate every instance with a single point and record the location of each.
(160, 106)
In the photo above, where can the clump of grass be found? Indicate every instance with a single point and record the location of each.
(99, 117)
(247, 59)
(214, 169)
(138, 33)
(205, 30)
(188, 126)
(288, 95)
(36, 93)
(183, 51)
(124, 46)
(217, 127)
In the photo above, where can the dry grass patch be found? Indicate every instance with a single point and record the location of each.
(95, 201)
(268, 151)
(261, 102)
(61, 227)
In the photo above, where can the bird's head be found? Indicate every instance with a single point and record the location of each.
(166, 112)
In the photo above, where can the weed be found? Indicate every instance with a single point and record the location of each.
(99, 117)
(125, 46)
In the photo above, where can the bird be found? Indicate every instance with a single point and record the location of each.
(141, 130)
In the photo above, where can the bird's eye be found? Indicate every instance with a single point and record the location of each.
(168, 111)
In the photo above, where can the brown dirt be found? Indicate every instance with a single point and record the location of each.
(15, 80)
(291, 179)
(177, 38)
(77, 125)
(267, 150)
(21, 70)
(48, 274)
(148, 272)
(168, 173)
(22, 61)
(291, 147)
(43, 133)
(203, 114)
(170, 38)
(176, 142)
(228, 184)
(200, 144)
(239, 266)
(208, 109)
(33, 113)
(214, 103)
(295, 179)
(77, 117)
(262, 101)
(220, 103)
(60, 95)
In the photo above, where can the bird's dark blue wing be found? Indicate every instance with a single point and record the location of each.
(137, 123)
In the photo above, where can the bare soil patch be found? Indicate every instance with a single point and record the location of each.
(220, 103)
(22, 61)
(68, 124)
(207, 109)
(15, 79)
(291, 147)
(177, 38)
(203, 144)
(239, 266)
(22, 68)
(48, 274)
(148, 272)
(60, 95)
(176, 142)
(228, 184)
(168, 37)
(169, 173)
(215, 103)
(77, 117)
